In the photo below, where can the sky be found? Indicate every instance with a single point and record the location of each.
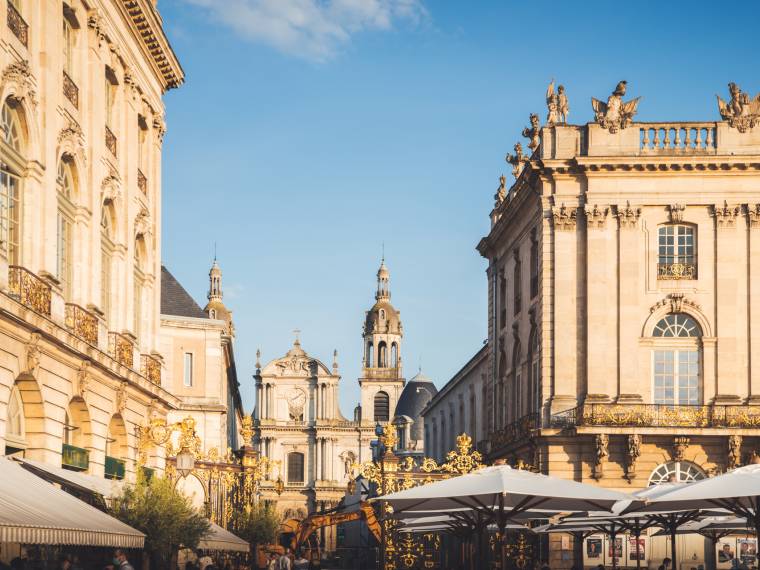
(312, 134)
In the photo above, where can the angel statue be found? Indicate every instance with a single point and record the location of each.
(615, 114)
(517, 160)
(533, 132)
(740, 112)
(501, 193)
(557, 105)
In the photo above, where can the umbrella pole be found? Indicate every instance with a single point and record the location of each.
(673, 544)
(637, 535)
(613, 536)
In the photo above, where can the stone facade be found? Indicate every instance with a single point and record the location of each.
(80, 208)
(623, 333)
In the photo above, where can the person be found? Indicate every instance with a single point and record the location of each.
(272, 564)
(665, 564)
(120, 560)
(301, 563)
(285, 563)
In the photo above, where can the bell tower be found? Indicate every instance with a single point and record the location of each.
(382, 379)
(215, 308)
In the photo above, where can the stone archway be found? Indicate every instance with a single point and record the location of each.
(34, 417)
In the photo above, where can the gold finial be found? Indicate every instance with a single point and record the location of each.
(246, 430)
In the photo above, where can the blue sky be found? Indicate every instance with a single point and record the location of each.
(310, 132)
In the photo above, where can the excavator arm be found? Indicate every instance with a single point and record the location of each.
(310, 524)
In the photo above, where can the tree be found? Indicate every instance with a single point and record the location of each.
(164, 515)
(256, 524)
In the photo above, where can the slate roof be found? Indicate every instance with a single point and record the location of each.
(175, 300)
(415, 396)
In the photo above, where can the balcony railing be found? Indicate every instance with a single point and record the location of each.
(382, 372)
(121, 348)
(515, 431)
(17, 24)
(115, 468)
(150, 367)
(677, 138)
(82, 323)
(74, 458)
(675, 271)
(658, 415)
(111, 141)
(29, 289)
(70, 90)
(142, 182)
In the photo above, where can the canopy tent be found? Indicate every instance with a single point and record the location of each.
(219, 538)
(32, 511)
(82, 482)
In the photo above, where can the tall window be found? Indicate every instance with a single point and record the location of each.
(517, 392)
(16, 425)
(110, 91)
(188, 369)
(382, 406)
(382, 354)
(106, 251)
(502, 300)
(534, 262)
(65, 182)
(677, 252)
(473, 418)
(139, 278)
(518, 282)
(535, 374)
(11, 164)
(370, 352)
(295, 467)
(501, 412)
(142, 135)
(676, 361)
(394, 355)
(68, 47)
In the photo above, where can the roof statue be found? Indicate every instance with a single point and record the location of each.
(501, 193)
(557, 105)
(532, 132)
(615, 114)
(517, 160)
(741, 112)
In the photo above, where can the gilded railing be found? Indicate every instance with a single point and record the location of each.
(676, 271)
(142, 182)
(121, 348)
(677, 138)
(82, 323)
(70, 90)
(29, 289)
(110, 141)
(515, 431)
(17, 24)
(658, 415)
(151, 368)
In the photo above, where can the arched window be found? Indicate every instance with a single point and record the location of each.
(106, 252)
(394, 355)
(12, 164)
(370, 355)
(677, 252)
(382, 354)
(295, 467)
(15, 434)
(676, 361)
(65, 230)
(382, 407)
(382, 314)
(676, 472)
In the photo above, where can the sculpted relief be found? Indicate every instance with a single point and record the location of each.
(615, 114)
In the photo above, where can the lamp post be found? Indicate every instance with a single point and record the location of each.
(185, 462)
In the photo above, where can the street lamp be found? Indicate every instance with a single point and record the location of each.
(185, 462)
(279, 486)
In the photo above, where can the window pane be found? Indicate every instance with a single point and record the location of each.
(188, 369)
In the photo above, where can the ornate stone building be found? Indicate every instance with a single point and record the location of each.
(81, 128)
(624, 274)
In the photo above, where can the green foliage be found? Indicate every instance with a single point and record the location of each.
(167, 517)
(258, 524)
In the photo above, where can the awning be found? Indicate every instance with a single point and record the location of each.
(221, 539)
(88, 483)
(32, 511)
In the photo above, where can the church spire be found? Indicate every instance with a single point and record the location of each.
(383, 282)
(215, 282)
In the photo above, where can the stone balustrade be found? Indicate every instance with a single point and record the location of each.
(677, 138)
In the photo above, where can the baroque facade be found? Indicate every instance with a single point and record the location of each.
(624, 273)
(81, 129)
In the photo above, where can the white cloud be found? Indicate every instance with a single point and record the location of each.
(311, 29)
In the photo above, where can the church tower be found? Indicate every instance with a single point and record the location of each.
(382, 380)
(215, 308)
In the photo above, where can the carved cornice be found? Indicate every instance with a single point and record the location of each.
(627, 217)
(676, 213)
(753, 215)
(596, 217)
(20, 76)
(675, 303)
(564, 218)
(725, 215)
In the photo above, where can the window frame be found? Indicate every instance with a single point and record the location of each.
(186, 368)
(66, 192)
(672, 262)
(296, 480)
(686, 342)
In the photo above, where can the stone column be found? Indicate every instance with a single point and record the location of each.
(632, 386)
(726, 274)
(753, 310)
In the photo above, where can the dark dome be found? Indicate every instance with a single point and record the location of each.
(382, 318)
(416, 395)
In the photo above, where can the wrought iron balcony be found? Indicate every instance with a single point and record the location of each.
(515, 431)
(70, 90)
(142, 182)
(151, 368)
(658, 415)
(74, 458)
(82, 323)
(111, 141)
(115, 468)
(17, 24)
(121, 348)
(676, 271)
(29, 290)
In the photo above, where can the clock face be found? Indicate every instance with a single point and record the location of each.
(297, 399)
